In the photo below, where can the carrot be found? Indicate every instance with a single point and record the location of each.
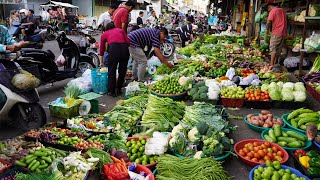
(128, 163)
(118, 166)
(123, 168)
(114, 159)
(122, 162)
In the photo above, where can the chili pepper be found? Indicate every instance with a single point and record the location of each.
(315, 162)
(304, 160)
(314, 172)
(299, 152)
(313, 154)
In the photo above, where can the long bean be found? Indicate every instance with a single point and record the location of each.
(171, 167)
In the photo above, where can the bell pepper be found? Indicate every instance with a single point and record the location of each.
(315, 162)
(314, 172)
(299, 152)
(313, 154)
(304, 160)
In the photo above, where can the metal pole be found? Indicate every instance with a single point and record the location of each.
(303, 39)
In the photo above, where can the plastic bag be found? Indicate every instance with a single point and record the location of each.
(61, 60)
(84, 83)
(25, 80)
(313, 42)
(132, 87)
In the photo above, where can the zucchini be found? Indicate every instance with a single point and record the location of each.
(295, 144)
(268, 138)
(296, 135)
(272, 136)
(277, 130)
(287, 139)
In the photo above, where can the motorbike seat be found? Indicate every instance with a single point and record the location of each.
(48, 52)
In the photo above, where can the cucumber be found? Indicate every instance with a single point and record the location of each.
(282, 143)
(277, 131)
(39, 153)
(43, 166)
(303, 127)
(284, 134)
(28, 161)
(272, 136)
(42, 162)
(296, 135)
(294, 123)
(32, 163)
(47, 159)
(268, 138)
(19, 163)
(29, 156)
(34, 166)
(295, 144)
(287, 139)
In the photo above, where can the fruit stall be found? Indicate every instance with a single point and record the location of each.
(178, 125)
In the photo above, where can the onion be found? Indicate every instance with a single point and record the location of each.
(270, 115)
(274, 120)
(268, 121)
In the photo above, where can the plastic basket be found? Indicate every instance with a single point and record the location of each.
(233, 103)
(300, 167)
(258, 128)
(99, 81)
(288, 104)
(171, 96)
(64, 113)
(313, 92)
(6, 76)
(284, 118)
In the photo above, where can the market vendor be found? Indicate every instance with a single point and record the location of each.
(7, 43)
(141, 38)
(277, 18)
(186, 33)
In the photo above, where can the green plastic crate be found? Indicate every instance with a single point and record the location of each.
(64, 113)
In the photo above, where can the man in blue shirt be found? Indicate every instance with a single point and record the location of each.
(7, 43)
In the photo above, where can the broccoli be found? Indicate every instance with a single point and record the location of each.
(193, 91)
(202, 127)
(203, 89)
(196, 96)
(218, 150)
(200, 84)
(226, 143)
(177, 143)
(203, 96)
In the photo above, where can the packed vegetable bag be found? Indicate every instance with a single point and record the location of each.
(25, 80)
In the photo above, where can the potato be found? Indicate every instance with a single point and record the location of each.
(265, 112)
(249, 116)
(265, 125)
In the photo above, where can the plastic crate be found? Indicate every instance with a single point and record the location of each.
(64, 113)
(233, 103)
(259, 104)
(99, 81)
(314, 93)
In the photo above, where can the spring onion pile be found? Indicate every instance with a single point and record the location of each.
(162, 114)
(172, 168)
(316, 65)
(72, 91)
(104, 157)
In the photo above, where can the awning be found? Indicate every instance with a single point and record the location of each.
(55, 3)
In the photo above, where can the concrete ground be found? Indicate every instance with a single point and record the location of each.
(234, 166)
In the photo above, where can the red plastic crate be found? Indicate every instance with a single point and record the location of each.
(233, 103)
(315, 94)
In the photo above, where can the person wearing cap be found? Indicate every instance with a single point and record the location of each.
(186, 33)
(278, 19)
(120, 16)
(139, 40)
(106, 17)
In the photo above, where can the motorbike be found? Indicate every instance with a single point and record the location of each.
(88, 45)
(73, 65)
(21, 108)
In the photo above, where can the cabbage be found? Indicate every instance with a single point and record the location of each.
(280, 85)
(264, 87)
(288, 85)
(299, 96)
(299, 87)
(287, 95)
(275, 94)
(24, 80)
(273, 85)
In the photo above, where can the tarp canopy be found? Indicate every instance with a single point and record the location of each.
(55, 3)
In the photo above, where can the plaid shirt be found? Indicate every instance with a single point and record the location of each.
(5, 38)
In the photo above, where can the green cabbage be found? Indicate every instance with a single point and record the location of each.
(287, 95)
(280, 85)
(25, 80)
(264, 87)
(275, 94)
(273, 85)
(299, 87)
(299, 96)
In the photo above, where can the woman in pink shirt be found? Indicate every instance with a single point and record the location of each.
(116, 43)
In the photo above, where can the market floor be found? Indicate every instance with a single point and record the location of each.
(234, 166)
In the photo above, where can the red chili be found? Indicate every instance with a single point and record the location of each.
(300, 152)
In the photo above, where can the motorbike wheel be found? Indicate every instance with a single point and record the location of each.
(167, 49)
(95, 59)
(28, 116)
(84, 65)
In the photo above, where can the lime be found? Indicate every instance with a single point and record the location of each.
(128, 154)
(135, 150)
(139, 154)
(144, 163)
(132, 158)
(139, 144)
(151, 162)
(141, 138)
(145, 157)
(143, 142)
(133, 141)
(141, 149)
(138, 161)
(128, 144)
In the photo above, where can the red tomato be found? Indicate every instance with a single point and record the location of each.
(256, 155)
(267, 144)
(245, 150)
(256, 149)
(250, 155)
(242, 153)
(265, 151)
(267, 158)
(263, 146)
(280, 153)
(270, 155)
(254, 159)
(261, 153)
(255, 144)
(274, 149)
(262, 161)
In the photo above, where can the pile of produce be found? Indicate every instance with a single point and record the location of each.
(286, 91)
(256, 94)
(199, 91)
(69, 141)
(309, 160)
(233, 92)
(289, 139)
(274, 170)
(136, 89)
(104, 157)
(162, 114)
(312, 77)
(261, 153)
(41, 159)
(265, 119)
(302, 117)
(218, 72)
(171, 167)
(163, 69)
(169, 85)
(90, 124)
(86, 145)
(136, 152)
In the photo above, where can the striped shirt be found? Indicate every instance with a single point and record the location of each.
(145, 37)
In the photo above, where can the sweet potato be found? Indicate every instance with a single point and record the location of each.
(311, 131)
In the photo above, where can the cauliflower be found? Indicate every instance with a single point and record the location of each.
(193, 135)
(178, 143)
(213, 95)
(183, 81)
(178, 128)
(198, 155)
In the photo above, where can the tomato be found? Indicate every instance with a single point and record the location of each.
(256, 149)
(258, 98)
(274, 149)
(267, 144)
(270, 155)
(267, 158)
(280, 153)
(263, 146)
(262, 161)
(246, 96)
(242, 153)
(266, 96)
(245, 150)
(255, 144)
(265, 151)
(250, 155)
(256, 155)
(254, 159)
(246, 157)
(280, 159)
(261, 153)
(250, 147)
(246, 145)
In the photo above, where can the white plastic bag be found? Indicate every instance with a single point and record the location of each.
(61, 60)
